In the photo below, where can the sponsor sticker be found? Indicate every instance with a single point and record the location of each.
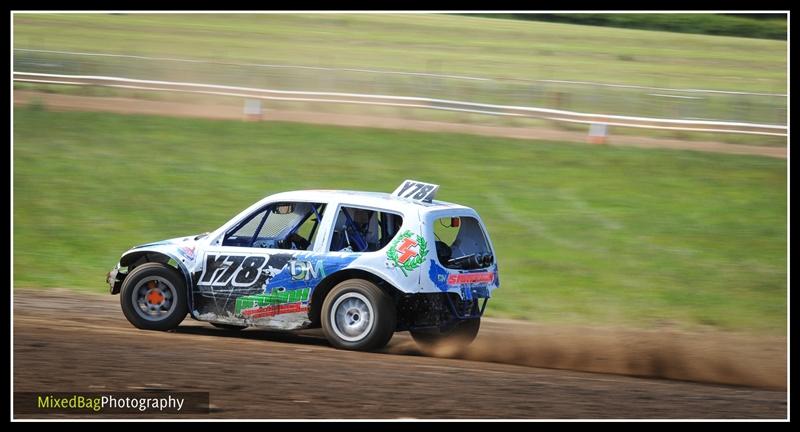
(187, 251)
(305, 270)
(407, 252)
(268, 311)
(470, 278)
(267, 304)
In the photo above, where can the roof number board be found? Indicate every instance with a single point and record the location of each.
(416, 191)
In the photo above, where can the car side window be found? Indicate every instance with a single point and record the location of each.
(363, 230)
(310, 227)
(243, 235)
(278, 226)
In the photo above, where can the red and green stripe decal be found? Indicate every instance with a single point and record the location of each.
(274, 303)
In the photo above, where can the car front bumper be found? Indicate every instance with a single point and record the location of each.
(114, 280)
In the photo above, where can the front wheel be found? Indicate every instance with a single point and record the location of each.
(451, 341)
(153, 297)
(357, 315)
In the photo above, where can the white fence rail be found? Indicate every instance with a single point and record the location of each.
(408, 102)
(394, 72)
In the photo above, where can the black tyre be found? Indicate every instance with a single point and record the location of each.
(153, 297)
(357, 315)
(231, 327)
(453, 340)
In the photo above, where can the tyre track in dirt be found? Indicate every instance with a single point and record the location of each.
(70, 341)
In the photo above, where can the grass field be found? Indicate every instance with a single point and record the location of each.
(583, 234)
(447, 44)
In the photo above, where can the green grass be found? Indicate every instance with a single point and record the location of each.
(434, 43)
(584, 234)
(518, 55)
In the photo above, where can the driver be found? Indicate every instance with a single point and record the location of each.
(296, 241)
(367, 225)
(364, 225)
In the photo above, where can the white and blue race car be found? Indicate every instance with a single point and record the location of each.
(361, 265)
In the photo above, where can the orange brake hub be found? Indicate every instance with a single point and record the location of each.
(154, 296)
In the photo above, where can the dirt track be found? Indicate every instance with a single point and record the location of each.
(228, 112)
(68, 341)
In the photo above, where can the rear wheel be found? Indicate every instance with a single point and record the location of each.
(357, 315)
(153, 297)
(453, 340)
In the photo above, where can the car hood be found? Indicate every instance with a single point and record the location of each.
(178, 247)
(173, 241)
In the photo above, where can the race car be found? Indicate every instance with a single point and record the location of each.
(361, 265)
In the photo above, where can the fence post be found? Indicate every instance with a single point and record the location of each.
(598, 133)
(252, 109)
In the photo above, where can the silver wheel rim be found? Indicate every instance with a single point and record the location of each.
(154, 298)
(352, 317)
